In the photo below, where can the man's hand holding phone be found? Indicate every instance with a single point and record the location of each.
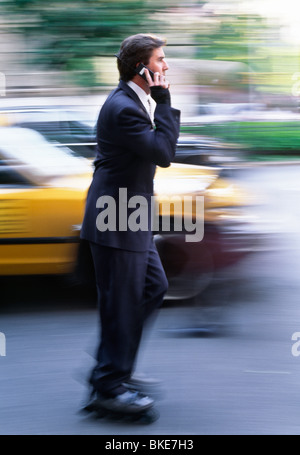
(159, 87)
(157, 79)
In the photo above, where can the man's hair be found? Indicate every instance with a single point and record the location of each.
(136, 49)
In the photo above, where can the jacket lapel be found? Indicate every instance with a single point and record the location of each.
(132, 94)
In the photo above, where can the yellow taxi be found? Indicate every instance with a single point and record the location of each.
(42, 195)
(43, 188)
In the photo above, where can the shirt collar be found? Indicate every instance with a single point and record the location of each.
(144, 98)
(140, 93)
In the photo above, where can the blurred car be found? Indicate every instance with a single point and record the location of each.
(42, 198)
(75, 128)
(208, 151)
(231, 229)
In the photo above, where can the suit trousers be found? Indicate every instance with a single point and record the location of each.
(131, 286)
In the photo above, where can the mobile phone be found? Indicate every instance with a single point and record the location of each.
(141, 71)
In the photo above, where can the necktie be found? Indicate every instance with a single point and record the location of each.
(150, 111)
(149, 108)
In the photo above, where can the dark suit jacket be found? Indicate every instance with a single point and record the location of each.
(127, 154)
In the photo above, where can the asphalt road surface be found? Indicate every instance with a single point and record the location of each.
(243, 378)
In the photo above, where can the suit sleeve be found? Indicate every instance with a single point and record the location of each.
(155, 145)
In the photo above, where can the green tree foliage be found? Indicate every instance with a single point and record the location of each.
(68, 34)
(238, 38)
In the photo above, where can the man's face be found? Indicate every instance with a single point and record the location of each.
(157, 62)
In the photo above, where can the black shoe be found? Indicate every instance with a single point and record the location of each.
(130, 402)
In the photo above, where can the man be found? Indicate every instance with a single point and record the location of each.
(137, 129)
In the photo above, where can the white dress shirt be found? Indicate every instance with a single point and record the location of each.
(147, 100)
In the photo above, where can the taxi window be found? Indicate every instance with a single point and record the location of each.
(10, 177)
